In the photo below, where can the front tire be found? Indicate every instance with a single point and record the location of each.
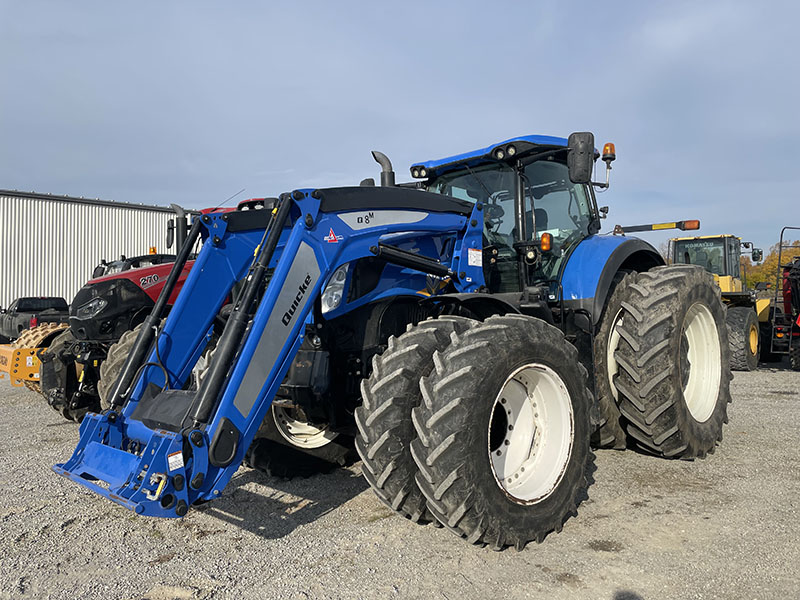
(503, 432)
(384, 419)
(287, 445)
(743, 337)
(674, 375)
(60, 375)
(111, 367)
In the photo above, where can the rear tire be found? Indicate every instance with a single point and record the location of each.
(384, 419)
(497, 376)
(674, 373)
(744, 338)
(610, 434)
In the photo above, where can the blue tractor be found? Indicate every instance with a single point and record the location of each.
(469, 332)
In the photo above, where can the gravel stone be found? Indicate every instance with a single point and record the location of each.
(724, 528)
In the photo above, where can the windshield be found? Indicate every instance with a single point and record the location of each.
(553, 204)
(493, 185)
(40, 304)
(708, 254)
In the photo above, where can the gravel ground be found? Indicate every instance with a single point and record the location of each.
(725, 527)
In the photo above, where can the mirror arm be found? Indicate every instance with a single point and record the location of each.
(607, 184)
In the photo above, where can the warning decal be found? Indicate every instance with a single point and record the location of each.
(175, 461)
(474, 257)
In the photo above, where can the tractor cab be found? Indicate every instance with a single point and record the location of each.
(717, 254)
(534, 211)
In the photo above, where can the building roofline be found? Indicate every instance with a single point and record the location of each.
(91, 201)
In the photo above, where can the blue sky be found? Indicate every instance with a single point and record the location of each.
(190, 102)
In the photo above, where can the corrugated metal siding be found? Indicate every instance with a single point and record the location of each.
(49, 247)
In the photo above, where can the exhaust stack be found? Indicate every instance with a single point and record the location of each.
(387, 174)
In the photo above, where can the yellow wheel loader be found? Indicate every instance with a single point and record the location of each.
(748, 316)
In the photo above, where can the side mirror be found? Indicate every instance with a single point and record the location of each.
(761, 286)
(580, 159)
(170, 233)
(757, 254)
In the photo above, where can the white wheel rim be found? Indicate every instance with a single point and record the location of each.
(705, 373)
(531, 433)
(301, 433)
(612, 366)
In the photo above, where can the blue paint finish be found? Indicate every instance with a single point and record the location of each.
(586, 264)
(472, 157)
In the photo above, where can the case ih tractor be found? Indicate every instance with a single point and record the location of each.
(456, 327)
(748, 317)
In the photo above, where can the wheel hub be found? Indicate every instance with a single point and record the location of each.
(701, 384)
(611, 348)
(301, 433)
(753, 339)
(530, 433)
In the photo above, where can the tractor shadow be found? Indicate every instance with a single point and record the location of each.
(273, 508)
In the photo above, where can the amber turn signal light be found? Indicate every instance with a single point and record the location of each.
(692, 224)
(546, 243)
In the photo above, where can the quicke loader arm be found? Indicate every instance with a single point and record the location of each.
(164, 446)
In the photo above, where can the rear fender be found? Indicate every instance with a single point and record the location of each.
(589, 274)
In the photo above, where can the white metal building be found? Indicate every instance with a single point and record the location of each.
(49, 245)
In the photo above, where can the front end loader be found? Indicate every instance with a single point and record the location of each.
(139, 446)
(449, 327)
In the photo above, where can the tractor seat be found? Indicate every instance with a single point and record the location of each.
(541, 220)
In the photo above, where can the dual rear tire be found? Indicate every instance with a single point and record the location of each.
(499, 448)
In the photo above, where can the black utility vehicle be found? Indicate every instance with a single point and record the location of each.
(28, 312)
